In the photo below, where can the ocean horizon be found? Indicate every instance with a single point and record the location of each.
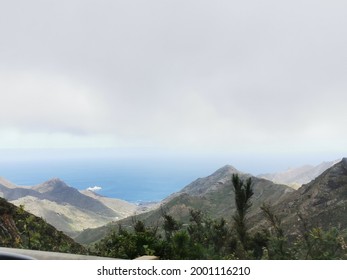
(131, 180)
(131, 176)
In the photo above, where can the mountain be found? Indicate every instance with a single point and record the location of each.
(57, 191)
(213, 195)
(13, 192)
(20, 229)
(7, 184)
(202, 186)
(321, 203)
(121, 207)
(66, 208)
(295, 177)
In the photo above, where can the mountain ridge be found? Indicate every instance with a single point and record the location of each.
(65, 207)
(319, 203)
(55, 201)
(295, 177)
(213, 195)
(58, 191)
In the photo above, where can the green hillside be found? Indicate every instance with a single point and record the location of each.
(20, 229)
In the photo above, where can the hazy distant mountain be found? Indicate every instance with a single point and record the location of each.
(68, 209)
(7, 184)
(10, 191)
(295, 177)
(213, 195)
(56, 190)
(322, 202)
(121, 207)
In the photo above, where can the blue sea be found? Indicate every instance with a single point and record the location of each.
(133, 180)
(131, 176)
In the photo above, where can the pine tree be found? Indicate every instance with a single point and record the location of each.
(243, 193)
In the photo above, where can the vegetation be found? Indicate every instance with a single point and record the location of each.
(205, 238)
(199, 237)
(243, 194)
(19, 229)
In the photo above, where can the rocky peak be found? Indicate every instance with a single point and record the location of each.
(51, 185)
(211, 182)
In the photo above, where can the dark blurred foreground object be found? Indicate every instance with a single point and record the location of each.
(24, 254)
(12, 256)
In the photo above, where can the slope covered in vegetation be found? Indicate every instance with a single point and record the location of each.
(20, 229)
(226, 238)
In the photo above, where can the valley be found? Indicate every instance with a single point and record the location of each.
(89, 218)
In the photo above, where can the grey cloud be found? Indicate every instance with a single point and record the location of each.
(186, 70)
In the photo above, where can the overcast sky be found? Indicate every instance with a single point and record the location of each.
(203, 77)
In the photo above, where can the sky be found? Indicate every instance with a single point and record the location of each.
(243, 79)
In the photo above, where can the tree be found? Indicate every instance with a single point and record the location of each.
(170, 225)
(277, 247)
(243, 193)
